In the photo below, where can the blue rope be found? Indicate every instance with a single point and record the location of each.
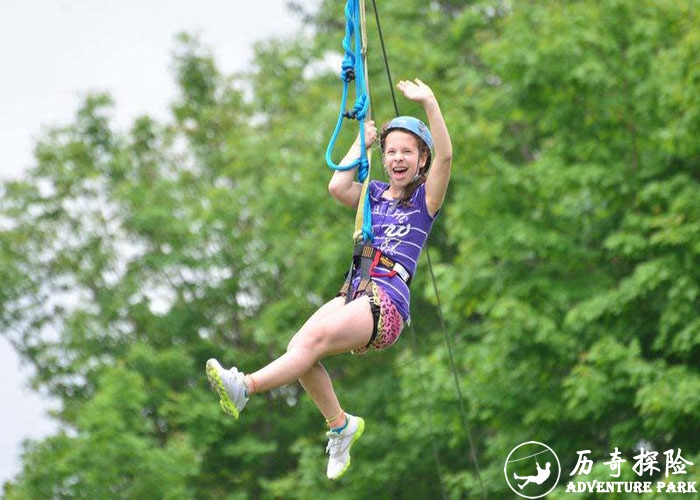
(353, 68)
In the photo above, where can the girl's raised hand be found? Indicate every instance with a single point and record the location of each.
(415, 90)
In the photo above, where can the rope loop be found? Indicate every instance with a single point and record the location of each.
(353, 69)
(347, 68)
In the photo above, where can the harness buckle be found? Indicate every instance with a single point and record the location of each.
(366, 258)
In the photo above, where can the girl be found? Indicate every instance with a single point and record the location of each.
(371, 309)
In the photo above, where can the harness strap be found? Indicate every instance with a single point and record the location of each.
(366, 258)
(394, 269)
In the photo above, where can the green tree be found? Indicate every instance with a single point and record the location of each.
(575, 274)
(566, 260)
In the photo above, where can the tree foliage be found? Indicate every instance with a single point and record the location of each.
(566, 260)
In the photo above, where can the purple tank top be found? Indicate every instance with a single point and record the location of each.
(399, 232)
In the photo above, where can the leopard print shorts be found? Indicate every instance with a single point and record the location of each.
(388, 322)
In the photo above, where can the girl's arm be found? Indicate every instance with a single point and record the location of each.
(441, 167)
(342, 185)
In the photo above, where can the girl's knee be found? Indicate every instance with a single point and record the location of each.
(313, 340)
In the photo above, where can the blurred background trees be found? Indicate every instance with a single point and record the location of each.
(566, 258)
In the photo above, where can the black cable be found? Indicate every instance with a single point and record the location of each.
(386, 59)
(448, 340)
(463, 413)
(424, 391)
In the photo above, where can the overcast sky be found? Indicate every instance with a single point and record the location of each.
(52, 52)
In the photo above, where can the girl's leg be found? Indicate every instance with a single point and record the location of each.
(318, 385)
(335, 328)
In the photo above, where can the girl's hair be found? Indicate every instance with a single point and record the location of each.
(421, 176)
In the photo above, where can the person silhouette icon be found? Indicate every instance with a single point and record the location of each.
(541, 477)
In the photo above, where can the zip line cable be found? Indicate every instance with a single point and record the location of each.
(386, 59)
(465, 422)
(421, 378)
(431, 433)
(448, 340)
(355, 68)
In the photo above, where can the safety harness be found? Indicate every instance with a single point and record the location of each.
(366, 258)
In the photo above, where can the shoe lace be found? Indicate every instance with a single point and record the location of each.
(334, 442)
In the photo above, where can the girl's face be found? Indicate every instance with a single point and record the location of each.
(402, 157)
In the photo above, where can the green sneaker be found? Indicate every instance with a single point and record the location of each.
(230, 387)
(339, 444)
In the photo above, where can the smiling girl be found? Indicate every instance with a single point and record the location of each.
(371, 309)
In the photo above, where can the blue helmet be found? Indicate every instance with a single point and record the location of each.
(413, 125)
